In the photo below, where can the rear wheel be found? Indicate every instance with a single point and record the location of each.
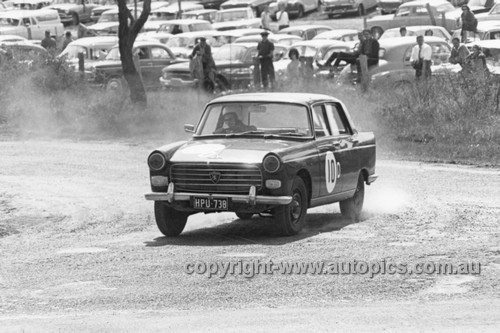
(352, 207)
(292, 217)
(170, 221)
(244, 216)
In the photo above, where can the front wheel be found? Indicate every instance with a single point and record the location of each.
(292, 217)
(170, 221)
(351, 208)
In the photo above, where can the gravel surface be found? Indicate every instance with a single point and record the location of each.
(78, 240)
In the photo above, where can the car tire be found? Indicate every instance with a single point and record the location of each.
(244, 216)
(361, 10)
(292, 217)
(115, 84)
(170, 222)
(377, 32)
(352, 207)
(75, 19)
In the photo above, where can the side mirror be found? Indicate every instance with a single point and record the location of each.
(188, 128)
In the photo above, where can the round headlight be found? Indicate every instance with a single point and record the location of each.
(271, 163)
(156, 161)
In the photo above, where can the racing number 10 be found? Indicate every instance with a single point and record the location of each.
(330, 171)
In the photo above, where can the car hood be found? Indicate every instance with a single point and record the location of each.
(228, 150)
(381, 18)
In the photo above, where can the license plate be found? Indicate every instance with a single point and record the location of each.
(210, 203)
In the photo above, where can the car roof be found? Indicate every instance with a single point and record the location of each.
(411, 40)
(336, 32)
(184, 21)
(305, 27)
(298, 98)
(97, 40)
(423, 3)
(319, 42)
(237, 9)
(200, 11)
(272, 37)
(419, 27)
(26, 12)
(197, 33)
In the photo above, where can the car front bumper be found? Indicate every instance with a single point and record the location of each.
(250, 199)
(339, 9)
(177, 83)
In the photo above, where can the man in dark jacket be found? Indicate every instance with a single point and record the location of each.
(203, 50)
(469, 22)
(48, 42)
(265, 50)
(370, 48)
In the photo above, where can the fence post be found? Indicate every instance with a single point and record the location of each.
(81, 65)
(364, 77)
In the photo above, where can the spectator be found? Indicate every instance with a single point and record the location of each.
(459, 53)
(265, 19)
(429, 32)
(265, 50)
(293, 69)
(469, 22)
(370, 48)
(421, 56)
(48, 43)
(402, 31)
(348, 57)
(477, 61)
(204, 52)
(282, 16)
(67, 39)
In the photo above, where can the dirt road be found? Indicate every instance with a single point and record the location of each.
(80, 251)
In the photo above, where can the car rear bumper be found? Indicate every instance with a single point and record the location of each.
(250, 199)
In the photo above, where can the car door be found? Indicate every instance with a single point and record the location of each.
(161, 57)
(37, 30)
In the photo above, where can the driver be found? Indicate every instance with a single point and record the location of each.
(233, 124)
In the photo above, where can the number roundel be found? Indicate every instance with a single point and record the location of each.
(330, 171)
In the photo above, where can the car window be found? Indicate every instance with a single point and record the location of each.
(421, 11)
(159, 53)
(335, 120)
(320, 123)
(142, 52)
(402, 11)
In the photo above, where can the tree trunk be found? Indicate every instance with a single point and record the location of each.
(127, 32)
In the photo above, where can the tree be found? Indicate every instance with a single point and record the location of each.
(128, 28)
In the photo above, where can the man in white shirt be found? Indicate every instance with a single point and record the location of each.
(282, 16)
(421, 57)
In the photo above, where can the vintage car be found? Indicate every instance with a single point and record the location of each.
(22, 53)
(73, 11)
(111, 15)
(492, 15)
(235, 18)
(306, 32)
(282, 39)
(16, 22)
(417, 30)
(93, 49)
(212, 4)
(182, 44)
(294, 8)
(389, 6)
(233, 64)
(339, 7)
(485, 30)
(257, 6)
(480, 6)
(201, 14)
(153, 57)
(275, 153)
(415, 13)
(177, 26)
(394, 68)
(346, 35)
(6, 5)
(171, 12)
(12, 39)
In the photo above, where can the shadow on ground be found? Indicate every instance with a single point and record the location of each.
(258, 230)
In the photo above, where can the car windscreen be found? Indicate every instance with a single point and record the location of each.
(262, 119)
(7, 21)
(230, 52)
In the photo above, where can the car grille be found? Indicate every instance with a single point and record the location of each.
(202, 178)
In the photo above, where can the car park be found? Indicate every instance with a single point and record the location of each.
(418, 30)
(233, 64)
(153, 57)
(73, 11)
(257, 6)
(416, 13)
(306, 32)
(339, 7)
(31, 24)
(283, 39)
(394, 68)
(287, 152)
(235, 18)
(294, 8)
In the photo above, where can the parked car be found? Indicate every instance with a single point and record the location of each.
(6, 5)
(162, 37)
(492, 15)
(336, 7)
(294, 8)
(291, 152)
(111, 15)
(93, 49)
(30, 24)
(177, 26)
(101, 29)
(485, 30)
(182, 45)
(257, 6)
(107, 5)
(153, 57)
(394, 68)
(389, 6)
(201, 14)
(346, 35)
(73, 11)
(306, 32)
(282, 39)
(22, 53)
(171, 12)
(212, 4)
(233, 63)
(480, 6)
(417, 30)
(12, 39)
(235, 18)
(415, 13)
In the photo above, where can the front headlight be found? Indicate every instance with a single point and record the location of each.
(271, 163)
(157, 161)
